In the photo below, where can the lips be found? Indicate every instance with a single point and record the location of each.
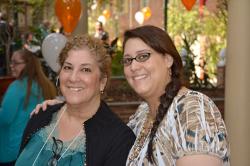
(139, 77)
(75, 89)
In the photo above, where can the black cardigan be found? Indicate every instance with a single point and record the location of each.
(108, 139)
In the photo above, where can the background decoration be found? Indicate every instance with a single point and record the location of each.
(51, 47)
(102, 19)
(139, 17)
(146, 12)
(188, 4)
(106, 13)
(68, 13)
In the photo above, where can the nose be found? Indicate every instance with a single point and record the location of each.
(134, 65)
(74, 76)
(12, 65)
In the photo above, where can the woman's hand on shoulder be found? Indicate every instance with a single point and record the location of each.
(44, 105)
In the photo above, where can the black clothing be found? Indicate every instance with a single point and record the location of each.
(108, 139)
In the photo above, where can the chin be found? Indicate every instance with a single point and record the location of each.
(141, 91)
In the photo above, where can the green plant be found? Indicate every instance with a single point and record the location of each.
(190, 27)
(117, 68)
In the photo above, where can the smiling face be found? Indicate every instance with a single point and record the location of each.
(80, 78)
(17, 64)
(150, 77)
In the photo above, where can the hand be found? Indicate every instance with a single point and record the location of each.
(44, 105)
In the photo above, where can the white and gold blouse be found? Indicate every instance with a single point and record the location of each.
(192, 125)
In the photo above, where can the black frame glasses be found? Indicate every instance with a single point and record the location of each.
(142, 57)
(14, 63)
(56, 149)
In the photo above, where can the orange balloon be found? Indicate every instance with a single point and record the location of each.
(68, 12)
(106, 13)
(188, 4)
(146, 12)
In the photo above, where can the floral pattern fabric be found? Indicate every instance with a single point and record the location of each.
(192, 125)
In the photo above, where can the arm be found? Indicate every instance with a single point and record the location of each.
(44, 105)
(13, 99)
(198, 160)
(201, 132)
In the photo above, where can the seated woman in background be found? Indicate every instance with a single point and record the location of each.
(30, 88)
(82, 130)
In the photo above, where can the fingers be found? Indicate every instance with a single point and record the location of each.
(36, 110)
(44, 105)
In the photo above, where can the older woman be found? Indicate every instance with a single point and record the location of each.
(83, 130)
(30, 88)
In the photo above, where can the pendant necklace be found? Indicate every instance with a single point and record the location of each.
(64, 108)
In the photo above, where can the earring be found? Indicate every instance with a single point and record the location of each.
(170, 72)
(102, 92)
(57, 82)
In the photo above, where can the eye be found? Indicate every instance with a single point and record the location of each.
(143, 57)
(126, 61)
(67, 67)
(85, 69)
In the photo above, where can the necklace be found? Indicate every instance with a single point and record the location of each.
(70, 144)
(49, 136)
(141, 139)
(64, 108)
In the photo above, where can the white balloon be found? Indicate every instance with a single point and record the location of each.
(51, 48)
(139, 17)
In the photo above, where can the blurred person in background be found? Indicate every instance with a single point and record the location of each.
(30, 88)
(100, 33)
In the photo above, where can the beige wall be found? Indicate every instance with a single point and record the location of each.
(237, 97)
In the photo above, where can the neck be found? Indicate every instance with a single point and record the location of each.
(81, 113)
(153, 106)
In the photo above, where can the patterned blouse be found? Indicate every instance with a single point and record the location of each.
(192, 125)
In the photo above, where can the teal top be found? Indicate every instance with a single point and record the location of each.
(14, 117)
(72, 151)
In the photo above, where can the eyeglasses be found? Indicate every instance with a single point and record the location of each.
(56, 149)
(139, 58)
(15, 63)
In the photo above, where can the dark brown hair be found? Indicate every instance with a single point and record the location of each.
(34, 72)
(160, 41)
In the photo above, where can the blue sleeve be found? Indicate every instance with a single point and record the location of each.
(12, 100)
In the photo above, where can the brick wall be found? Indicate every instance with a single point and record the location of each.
(124, 102)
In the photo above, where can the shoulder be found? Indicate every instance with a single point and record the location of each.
(198, 126)
(107, 121)
(17, 88)
(141, 112)
(105, 125)
(18, 83)
(136, 120)
(194, 102)
(45, 116)
(38, 121)
(195, 109)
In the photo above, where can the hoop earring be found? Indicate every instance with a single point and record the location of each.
(57, 82)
